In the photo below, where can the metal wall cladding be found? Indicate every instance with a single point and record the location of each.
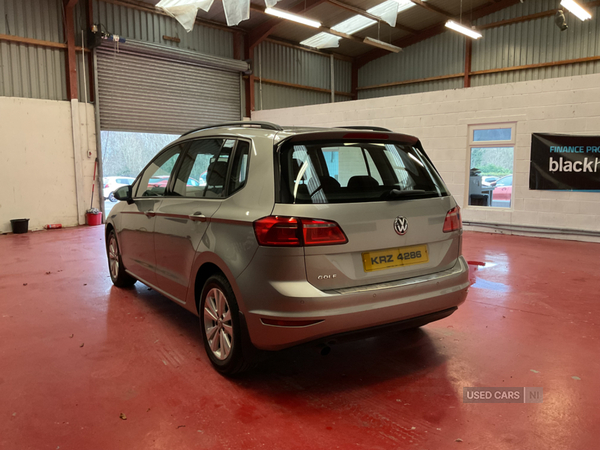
(343, 75)
(144, 26)
(296, 66)
(283, 63)
(36, 19)
(27, 70)
(269, 96)
(533, 42)
(413, 88)
(440, 55)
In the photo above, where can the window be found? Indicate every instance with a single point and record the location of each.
(155, 178)
(203, 171)
(344, 172)
(491, 156)
(239, 169)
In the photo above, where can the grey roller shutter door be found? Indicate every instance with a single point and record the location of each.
(148, 88)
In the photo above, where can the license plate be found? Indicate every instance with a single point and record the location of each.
(395, 257)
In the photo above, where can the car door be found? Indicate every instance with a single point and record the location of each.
(184, 215)
(137, 220)
(503, 189)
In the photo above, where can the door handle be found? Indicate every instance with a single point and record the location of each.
(150, 213)
(198, 216)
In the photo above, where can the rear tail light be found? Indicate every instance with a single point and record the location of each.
(297, 232)
(453, 221)
(106, 185)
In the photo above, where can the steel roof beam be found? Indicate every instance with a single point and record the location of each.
(436, 29)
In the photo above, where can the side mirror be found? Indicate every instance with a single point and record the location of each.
(124, 194)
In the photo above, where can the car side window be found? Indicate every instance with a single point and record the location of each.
(191, 180)
(239, 167)
(153, 181)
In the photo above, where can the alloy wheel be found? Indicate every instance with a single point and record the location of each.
(218, 325)
(113, 256)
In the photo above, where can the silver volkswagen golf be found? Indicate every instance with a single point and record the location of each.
(297, 234)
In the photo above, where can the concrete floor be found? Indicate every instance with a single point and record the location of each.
(75, 353)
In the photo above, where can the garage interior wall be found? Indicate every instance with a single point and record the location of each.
(37, 162)
(37, 156)
(505, 50)
(149, 27)
(569, 105)
(437, 63)
(284, 76)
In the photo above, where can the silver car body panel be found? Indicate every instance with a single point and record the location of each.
(169, 249)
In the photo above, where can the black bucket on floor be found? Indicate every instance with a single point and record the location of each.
(19, 226)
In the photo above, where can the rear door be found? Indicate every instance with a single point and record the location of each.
(185, 213)
(386, 197)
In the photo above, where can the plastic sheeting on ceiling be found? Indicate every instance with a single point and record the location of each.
(185, 11)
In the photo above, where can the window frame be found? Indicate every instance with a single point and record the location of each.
(492, 126)
(471, 143)
(135, 185)
(226, 194)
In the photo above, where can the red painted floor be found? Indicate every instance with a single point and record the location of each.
(76, 352)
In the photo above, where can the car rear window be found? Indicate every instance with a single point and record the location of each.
(346, 172)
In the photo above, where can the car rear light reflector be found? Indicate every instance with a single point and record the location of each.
(289, 323)
(322, 232)
(453, 221)
(297, 232)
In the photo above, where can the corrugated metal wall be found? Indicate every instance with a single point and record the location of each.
(440, 55)
(27, 70)
(295, 66)
(143, 26)
(533, 42)
(530, 42)
(37, 72)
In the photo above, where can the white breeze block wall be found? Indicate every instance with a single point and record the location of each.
(37, 168)
(441, 119)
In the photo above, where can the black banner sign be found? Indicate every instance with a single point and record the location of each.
(565, 163)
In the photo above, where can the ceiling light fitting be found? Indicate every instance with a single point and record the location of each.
(462, 29)
(576, 9)
(381, 44)
(293, 17)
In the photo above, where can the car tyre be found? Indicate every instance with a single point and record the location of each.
(112, 198)
(119, 277)
(227, 347)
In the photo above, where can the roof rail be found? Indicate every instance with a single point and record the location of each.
(358, 127)
(263, 125)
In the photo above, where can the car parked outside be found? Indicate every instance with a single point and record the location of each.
(161, 181)
(274, 251)
(502, 192)
(112, 183)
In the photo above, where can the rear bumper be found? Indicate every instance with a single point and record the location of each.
(351, 310)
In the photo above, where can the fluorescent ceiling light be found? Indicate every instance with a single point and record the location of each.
(293, 17)
(576, 9)
(462, 29)
(381, 44)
